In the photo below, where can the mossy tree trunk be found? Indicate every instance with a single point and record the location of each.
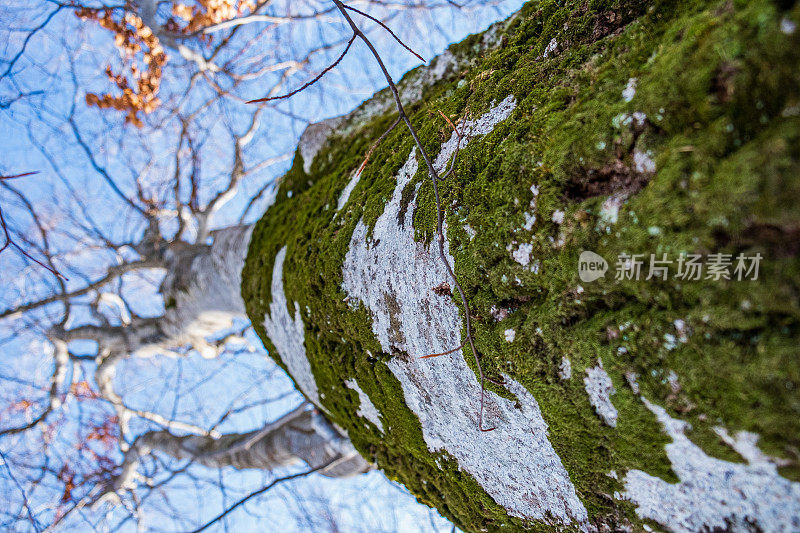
(656, 135)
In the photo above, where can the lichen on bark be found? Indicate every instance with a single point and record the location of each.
(640, 127)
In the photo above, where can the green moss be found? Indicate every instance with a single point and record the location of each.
(718, 82)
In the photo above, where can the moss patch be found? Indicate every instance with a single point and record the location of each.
(716, 107)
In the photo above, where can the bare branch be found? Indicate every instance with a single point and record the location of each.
(258, 493)
(28, 38)
(112, 273)
(100, 170)
(313, 81)
(61, 361)
(4, 227)
(25, 501)
(376, 144)
(385, 27)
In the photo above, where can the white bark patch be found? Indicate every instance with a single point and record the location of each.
(600, 388)
(367, 409)
(530, 216)
(288, 333)
(522, 255)
(633, 381)
(471, 233)
(440, 67)
(712, 493)
(369, 280)
(530, 220)
(551, 47)
(347, 190)
(471, 128)
(392, 275)
(609, 212)
(643, 163)
(565, 369)
(745, 444)
(630, 90)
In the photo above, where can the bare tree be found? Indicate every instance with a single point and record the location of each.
(141, 107)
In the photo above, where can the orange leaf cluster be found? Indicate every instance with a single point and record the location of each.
(67, 477)
(82, 390)
(209, 12)
(132, 37)
(140, 85)
(106, 434)
(20, 405)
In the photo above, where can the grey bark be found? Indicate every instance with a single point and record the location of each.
(301, 435)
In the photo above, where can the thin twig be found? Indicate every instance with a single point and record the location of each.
(25, 501)
(54, 396)
(385, 27)
(451, 170)
(312, 82)
(448, 352)
(449, 122)
(259, 492)
(434, 179)
(376, 144)
(15, 176)
(7, 234)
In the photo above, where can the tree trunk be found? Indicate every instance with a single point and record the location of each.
(201, 294)
(201, 291)
(646, 134)
(302, 435)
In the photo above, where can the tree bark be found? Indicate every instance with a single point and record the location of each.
(303, 435)
(201, 291)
